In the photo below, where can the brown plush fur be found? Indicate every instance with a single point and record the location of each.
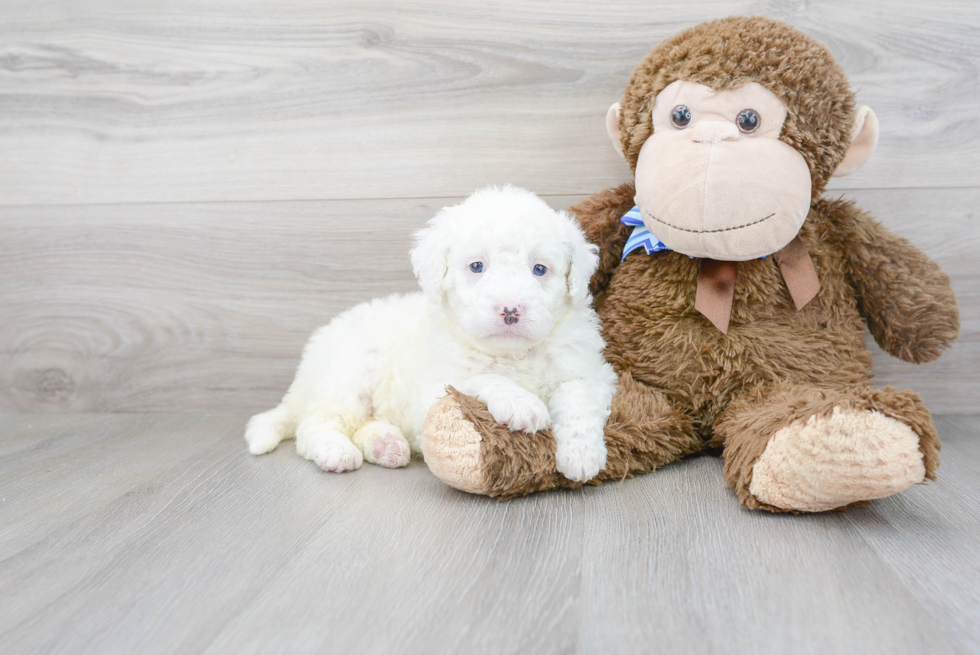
(686, 386)
(653, 330)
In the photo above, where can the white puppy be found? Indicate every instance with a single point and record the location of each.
(505, 316)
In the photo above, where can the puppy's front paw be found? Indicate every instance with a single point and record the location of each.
(520, 412)
(580, 459)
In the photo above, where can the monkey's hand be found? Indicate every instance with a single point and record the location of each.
(600, 216)
(903, 295)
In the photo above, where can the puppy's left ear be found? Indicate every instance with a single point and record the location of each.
(429, 255)
(583, 259)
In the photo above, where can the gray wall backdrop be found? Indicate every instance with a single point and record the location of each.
(188, 188)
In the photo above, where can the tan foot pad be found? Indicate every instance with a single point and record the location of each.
(831, 461)
(451, 447)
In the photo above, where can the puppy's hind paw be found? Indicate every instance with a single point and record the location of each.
(391, 451)
(336, 454)
(383, 444)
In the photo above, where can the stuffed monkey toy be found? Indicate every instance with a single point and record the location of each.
(733, 295)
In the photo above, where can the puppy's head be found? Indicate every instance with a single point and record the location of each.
(505, 265)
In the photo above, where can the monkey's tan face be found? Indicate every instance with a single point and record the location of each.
(714, 180)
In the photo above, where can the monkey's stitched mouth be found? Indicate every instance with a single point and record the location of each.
(647, 214)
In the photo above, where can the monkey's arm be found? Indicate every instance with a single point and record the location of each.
(903, 295)
(599, 216)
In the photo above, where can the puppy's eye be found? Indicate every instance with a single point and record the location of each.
(680, 116)
(748, 120)
(539, 270)
(476, 267)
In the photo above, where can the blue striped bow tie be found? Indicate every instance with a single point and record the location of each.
(641, 236)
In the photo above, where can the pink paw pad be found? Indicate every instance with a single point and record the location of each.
(391, 450)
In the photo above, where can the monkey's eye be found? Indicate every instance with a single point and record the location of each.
(539, 269)
(680, 116)
(476, 267)
(748, 120)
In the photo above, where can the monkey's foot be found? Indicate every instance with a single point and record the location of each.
(831, 461)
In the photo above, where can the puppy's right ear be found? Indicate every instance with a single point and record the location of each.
(429, 255)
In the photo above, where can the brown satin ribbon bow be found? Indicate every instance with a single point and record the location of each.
(716, 283)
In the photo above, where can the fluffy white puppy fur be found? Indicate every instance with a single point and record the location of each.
(504, 316)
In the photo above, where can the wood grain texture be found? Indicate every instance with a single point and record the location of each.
(108, 300)
(203, 548)
(105, 101)
(938, 574)
(189, 188)
(191, 307)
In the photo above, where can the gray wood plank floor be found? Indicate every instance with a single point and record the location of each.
(160, 534)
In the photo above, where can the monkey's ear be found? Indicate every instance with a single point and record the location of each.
(864, 138)
(612, 127)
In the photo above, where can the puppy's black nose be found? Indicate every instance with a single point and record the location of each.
(510, 315)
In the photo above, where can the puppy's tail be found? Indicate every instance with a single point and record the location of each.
(266, 430)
